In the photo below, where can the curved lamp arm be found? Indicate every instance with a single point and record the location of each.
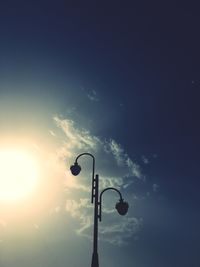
(100, 199)
(93, 170)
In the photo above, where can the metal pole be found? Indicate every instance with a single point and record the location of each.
(100, 199)
(95, 257)
(93, 170)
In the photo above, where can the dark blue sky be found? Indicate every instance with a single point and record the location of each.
(142, 63)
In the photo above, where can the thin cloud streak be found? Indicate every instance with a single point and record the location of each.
(92, 95)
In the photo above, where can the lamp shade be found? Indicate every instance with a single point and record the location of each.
(122, 207)
(75, 169)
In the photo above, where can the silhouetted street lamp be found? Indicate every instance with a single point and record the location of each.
(121, 206)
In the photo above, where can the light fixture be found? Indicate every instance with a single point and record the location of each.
(75, 169)
(122, 207)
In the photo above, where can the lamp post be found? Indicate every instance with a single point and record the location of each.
(121, 206)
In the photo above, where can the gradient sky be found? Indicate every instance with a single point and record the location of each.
(120, 81)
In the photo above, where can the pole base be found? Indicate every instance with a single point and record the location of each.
(95, 260)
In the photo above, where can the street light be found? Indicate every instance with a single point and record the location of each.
(121, 206)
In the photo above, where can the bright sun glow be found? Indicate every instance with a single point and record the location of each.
(18, 175)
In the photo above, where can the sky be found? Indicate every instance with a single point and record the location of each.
(118, 80)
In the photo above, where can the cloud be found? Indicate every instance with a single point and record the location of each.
(145, 160)
(52, 133)
(116, 169)
(92, 95)
(75, 138)
(74, 207)
(117, 182)
(122, 158)
(119, 233)
(113, 229)
(155, 187)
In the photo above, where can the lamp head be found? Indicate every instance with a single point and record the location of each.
(75, 169)
(122, 207)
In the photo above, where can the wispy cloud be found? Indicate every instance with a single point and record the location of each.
(155, 187)
(122, 158)
(76, 138)
(118, 233)
(92, 95)
(113, 229)
(145, 160)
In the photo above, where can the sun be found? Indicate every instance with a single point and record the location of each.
(18, 174)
